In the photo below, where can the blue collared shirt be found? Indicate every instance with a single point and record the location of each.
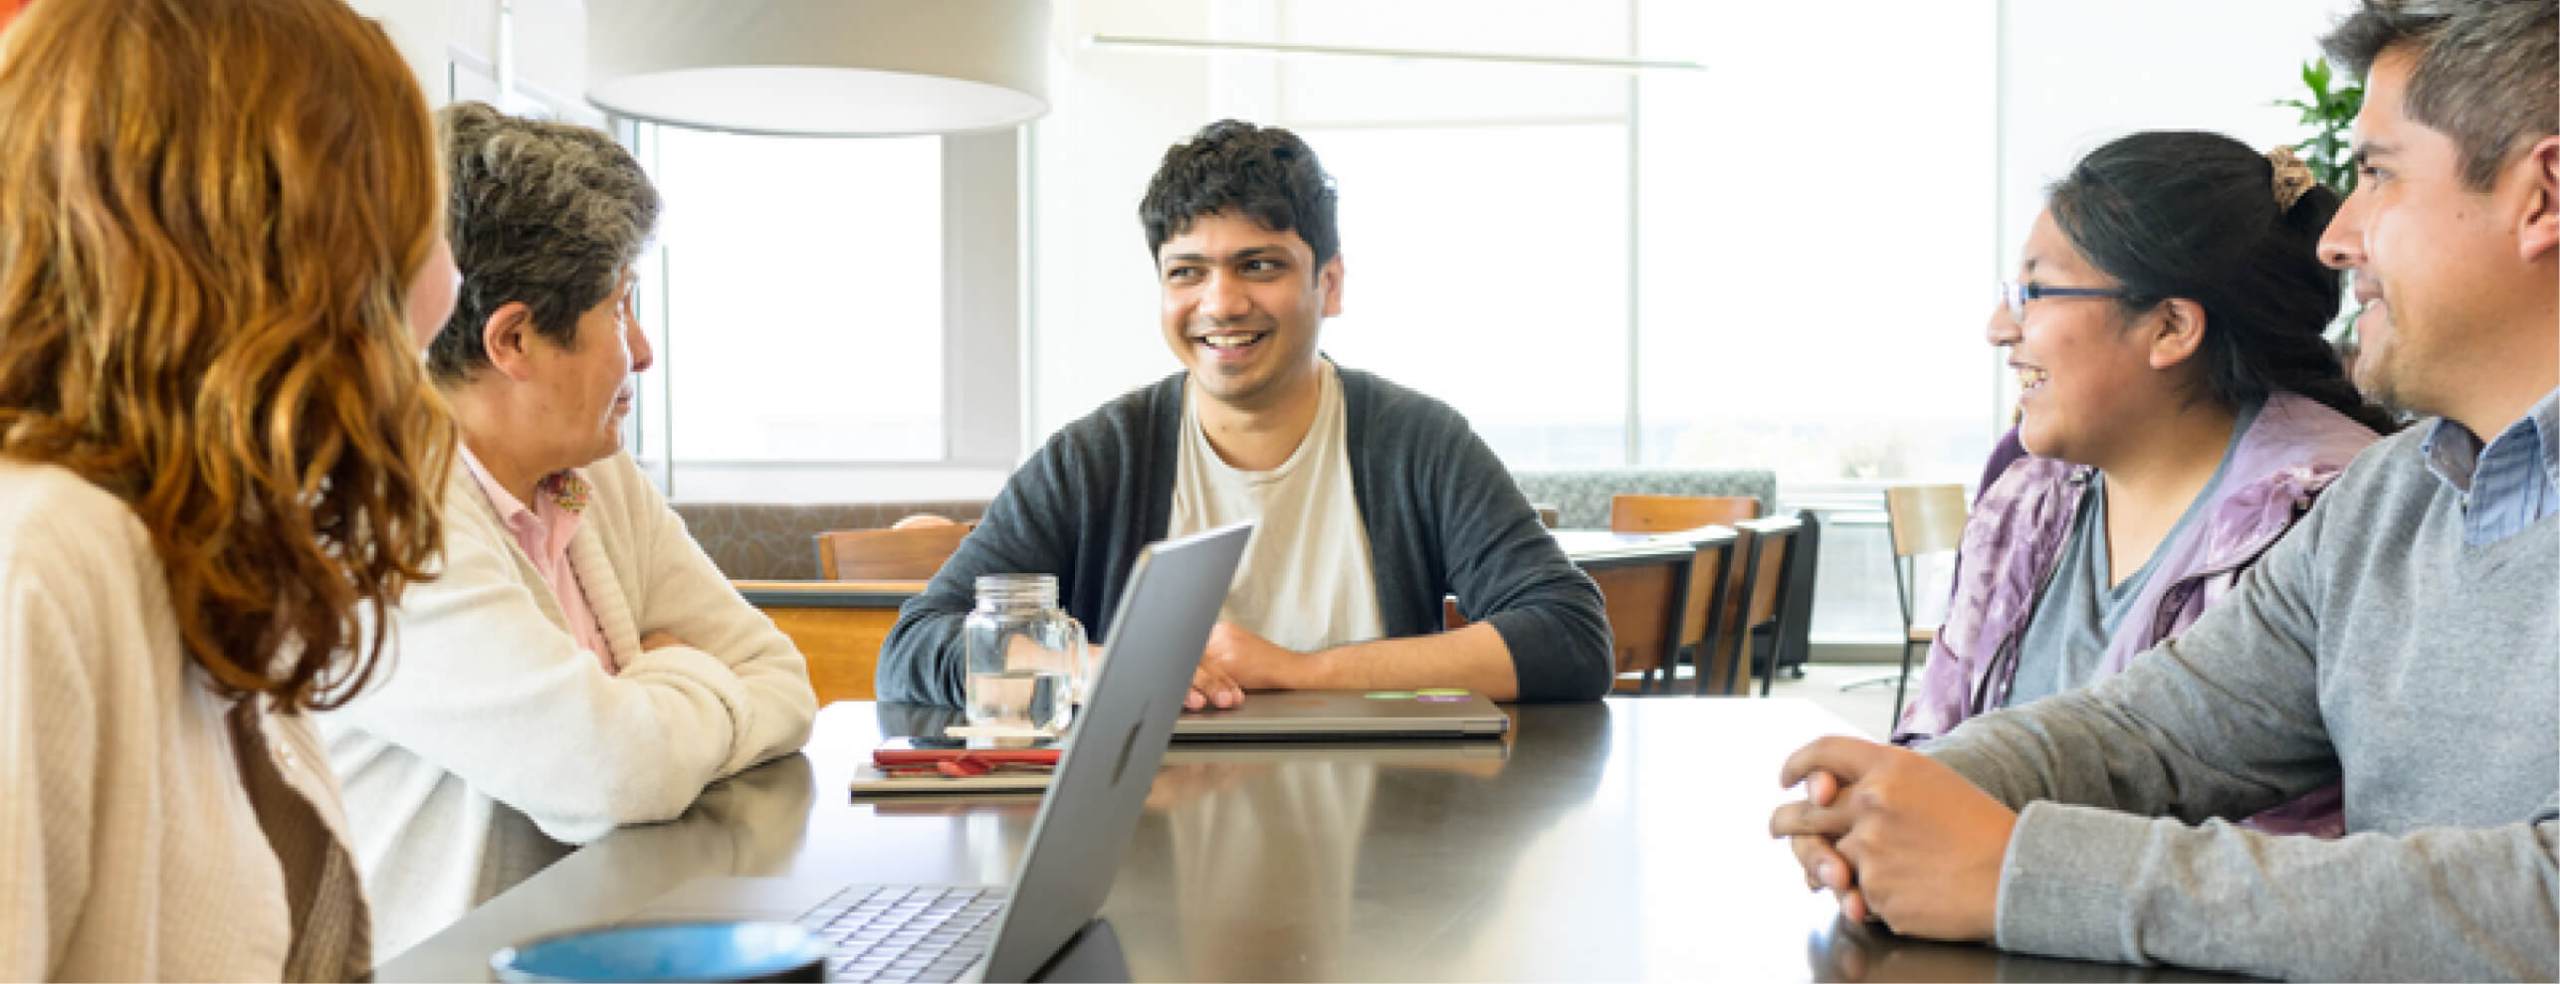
(2509, 484)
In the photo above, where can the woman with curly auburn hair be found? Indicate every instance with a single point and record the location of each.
(220, 249)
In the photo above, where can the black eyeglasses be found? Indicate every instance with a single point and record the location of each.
(2015, 295)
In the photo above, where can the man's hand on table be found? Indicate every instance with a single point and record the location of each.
(1236, 661)
(1897, 837)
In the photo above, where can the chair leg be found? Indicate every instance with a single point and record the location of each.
(1901, 685)
(1775, 645)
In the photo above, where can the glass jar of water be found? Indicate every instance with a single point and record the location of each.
(1024, 655)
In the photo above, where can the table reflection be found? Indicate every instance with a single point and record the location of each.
(1625, 840)
(1847, 951)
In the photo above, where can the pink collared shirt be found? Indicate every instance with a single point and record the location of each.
(544, 531)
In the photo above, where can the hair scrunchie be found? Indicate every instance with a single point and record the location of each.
(2293, 178)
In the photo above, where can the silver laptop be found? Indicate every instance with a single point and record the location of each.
(1307, 715)
(971, 932)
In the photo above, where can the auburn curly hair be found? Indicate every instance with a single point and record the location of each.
(212, 214)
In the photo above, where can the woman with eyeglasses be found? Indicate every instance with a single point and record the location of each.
(220, 251)
(2179, 410)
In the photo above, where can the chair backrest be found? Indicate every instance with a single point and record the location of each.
(1767, 565)
(1646, 513)
(1643, 601)
(1925, 519)
(1706, 614)
(888, 555)
(1773, 542)
(1632, 513)
(1714, 562)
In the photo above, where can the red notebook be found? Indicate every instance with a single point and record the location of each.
(903, 766)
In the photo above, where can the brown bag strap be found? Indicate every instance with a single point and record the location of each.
(332, 928)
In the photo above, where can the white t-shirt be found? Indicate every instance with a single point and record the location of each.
(1305, 582)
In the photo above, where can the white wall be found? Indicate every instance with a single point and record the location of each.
(1093, 333)
(550, 45)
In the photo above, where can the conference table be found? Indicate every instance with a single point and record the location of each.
(1592, 549)
(1610, 840)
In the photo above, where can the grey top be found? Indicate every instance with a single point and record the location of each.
(2371, 645)
(2066, 640)
(1443, 518)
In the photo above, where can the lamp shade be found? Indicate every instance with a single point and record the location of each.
(821, 67)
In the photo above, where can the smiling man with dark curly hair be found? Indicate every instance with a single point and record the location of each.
(1374, 502)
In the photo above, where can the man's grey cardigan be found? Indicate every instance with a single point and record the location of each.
(1443, 517)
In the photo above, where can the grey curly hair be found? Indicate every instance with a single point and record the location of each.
(547, 214)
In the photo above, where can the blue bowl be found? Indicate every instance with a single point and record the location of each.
(696, 951)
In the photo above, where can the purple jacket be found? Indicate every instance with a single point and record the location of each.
(2020, 523)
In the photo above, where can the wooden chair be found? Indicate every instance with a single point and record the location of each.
(1768, 565)
(1643, 601)
(1673, 513)
(1722, 588)
(838, 627)
(912, 554)
(1643, 593)
(1707, 601)
(1923, 520)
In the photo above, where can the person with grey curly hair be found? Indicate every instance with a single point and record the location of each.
(577, 663)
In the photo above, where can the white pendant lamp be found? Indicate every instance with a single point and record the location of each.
(836, 68)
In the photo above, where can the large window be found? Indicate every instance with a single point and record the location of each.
(1485, 210)
(1514, 312)
(836, 320)
(803, 304)
(1818, 231)
(1777, 262)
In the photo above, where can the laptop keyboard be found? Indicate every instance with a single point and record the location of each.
(905, 933)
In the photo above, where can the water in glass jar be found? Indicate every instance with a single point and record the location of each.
(1029, 699)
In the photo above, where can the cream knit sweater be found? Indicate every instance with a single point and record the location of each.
(128, 847)
(496, 741)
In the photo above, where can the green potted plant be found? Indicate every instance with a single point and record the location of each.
(2330, 112)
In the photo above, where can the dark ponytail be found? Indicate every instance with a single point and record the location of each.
(2195, 215)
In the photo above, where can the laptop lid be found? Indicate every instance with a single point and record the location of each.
(1316, 714)
(1166, 611)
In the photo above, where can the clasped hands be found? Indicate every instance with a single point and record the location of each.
(1896, 836)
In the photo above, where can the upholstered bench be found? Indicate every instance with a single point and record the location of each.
(777, 542)
(762, 541)
(1581, 498)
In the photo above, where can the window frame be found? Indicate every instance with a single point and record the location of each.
(984, 281)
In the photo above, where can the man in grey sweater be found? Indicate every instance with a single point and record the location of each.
(2404, 639)
(1373, 503)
